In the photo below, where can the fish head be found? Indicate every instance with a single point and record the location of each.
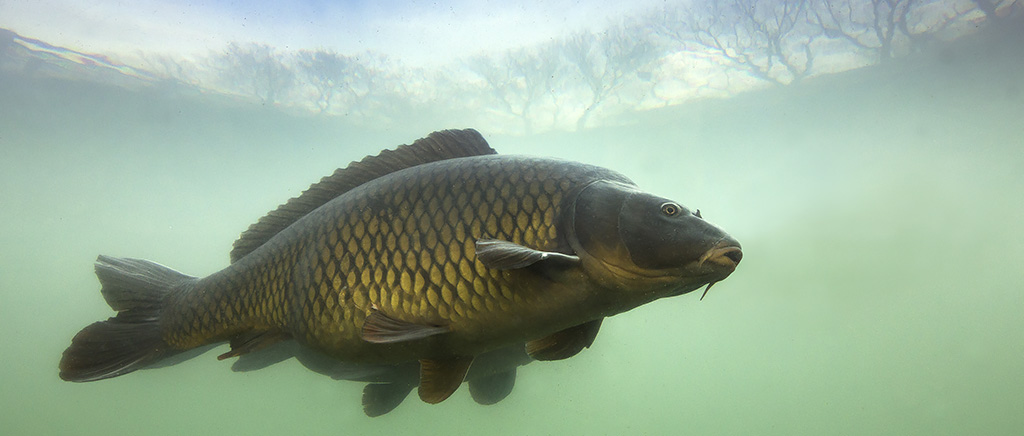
(642, 242)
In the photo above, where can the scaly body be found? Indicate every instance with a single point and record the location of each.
(405, 245)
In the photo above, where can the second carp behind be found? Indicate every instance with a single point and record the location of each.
(415, 266)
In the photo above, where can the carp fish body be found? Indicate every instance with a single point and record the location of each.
(435, 252)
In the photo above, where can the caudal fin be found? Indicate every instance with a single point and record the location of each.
(131, 340)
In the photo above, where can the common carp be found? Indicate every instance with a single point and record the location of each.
(435, 252)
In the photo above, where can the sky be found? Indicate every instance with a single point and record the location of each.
(417, 32)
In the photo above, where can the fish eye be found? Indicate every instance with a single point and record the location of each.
(670, 209)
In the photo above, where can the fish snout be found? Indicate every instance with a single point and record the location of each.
(726, 255)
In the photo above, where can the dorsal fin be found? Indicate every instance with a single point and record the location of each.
(438, 146)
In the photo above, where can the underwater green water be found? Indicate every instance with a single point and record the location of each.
(880, 292)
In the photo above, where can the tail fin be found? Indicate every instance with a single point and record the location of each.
(131, 340)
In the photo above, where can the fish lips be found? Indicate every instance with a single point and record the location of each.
(712, 267)
(721, 259)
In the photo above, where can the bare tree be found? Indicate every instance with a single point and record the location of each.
(606, 62)
(501, 86)
(520, 79)
(380, 85)
(872, 25)
(768, 40)
(257, 70)
(325, 70)
(356, 85)
(674, 26)
(885, 28)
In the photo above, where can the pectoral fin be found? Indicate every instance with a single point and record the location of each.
(439, 378)
(381, 398)
(269, 355)
(566, 343)
(253, 341)
(502, 255)
(492, 388)
(379, 328)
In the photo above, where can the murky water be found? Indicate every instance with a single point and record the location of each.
(880, 212)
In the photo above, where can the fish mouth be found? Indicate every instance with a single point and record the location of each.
(725, 255)
(722, 259)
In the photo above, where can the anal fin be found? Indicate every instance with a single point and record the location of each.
(253, 341)
(566, 343)
(440, 378)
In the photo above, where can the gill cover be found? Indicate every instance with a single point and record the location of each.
(595, 223)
